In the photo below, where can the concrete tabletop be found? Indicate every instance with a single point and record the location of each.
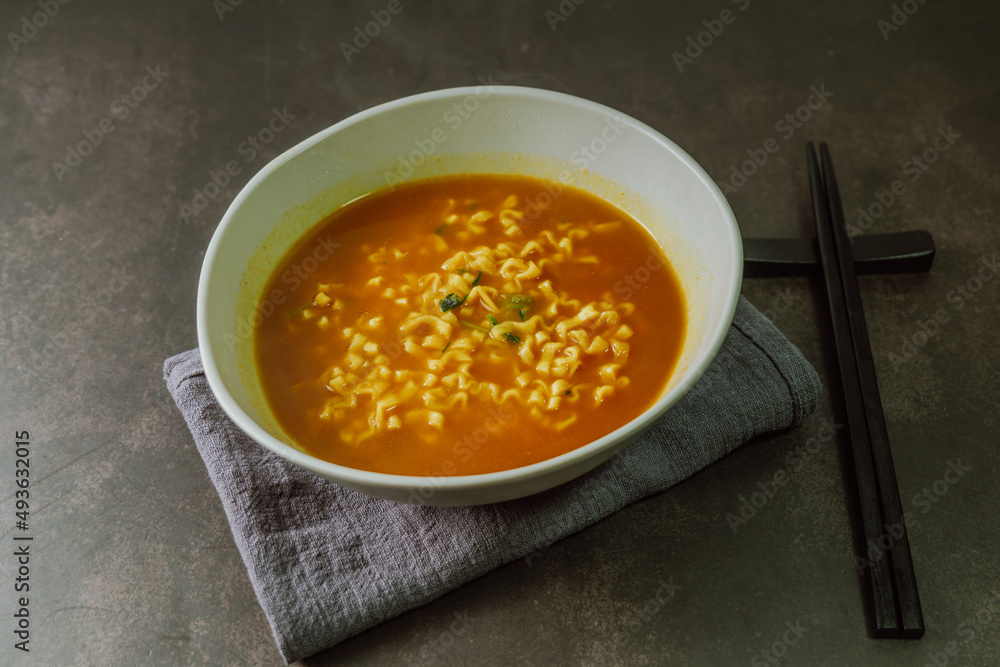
(114, 116)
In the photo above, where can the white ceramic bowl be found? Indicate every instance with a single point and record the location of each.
(486, 129)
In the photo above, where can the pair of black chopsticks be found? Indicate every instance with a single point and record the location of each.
(886, 561)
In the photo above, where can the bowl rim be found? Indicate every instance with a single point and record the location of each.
(367, 478)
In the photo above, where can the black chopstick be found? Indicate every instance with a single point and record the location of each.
(895, 605)
(895, 252)
(894, 535)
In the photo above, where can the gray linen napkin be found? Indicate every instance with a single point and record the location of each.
(327, 562)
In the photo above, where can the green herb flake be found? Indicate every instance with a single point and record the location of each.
(516, 301)
(441, 229)
(476, 281)
(523, 313)
(492, 319)
(451, 301)
(473, 326)
(461, 271)
(511, 338)
(443, 349)
(567, 392)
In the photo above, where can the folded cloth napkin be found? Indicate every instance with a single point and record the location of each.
(327, 562)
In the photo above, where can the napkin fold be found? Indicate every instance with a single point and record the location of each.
(327, 563)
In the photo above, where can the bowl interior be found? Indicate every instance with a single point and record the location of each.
(467, 130)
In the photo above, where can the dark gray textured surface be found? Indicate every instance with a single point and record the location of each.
(133, 561)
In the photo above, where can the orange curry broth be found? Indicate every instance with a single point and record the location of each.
(479, 437)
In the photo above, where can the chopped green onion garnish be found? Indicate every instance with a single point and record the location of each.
(515, 301)
(461, 271)
(511, 338)
(440, 229)
(476, 281)
(474, 326)
(567, 392)
(451, 301)
(522, 313)
(449, 345)
(492, 319)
